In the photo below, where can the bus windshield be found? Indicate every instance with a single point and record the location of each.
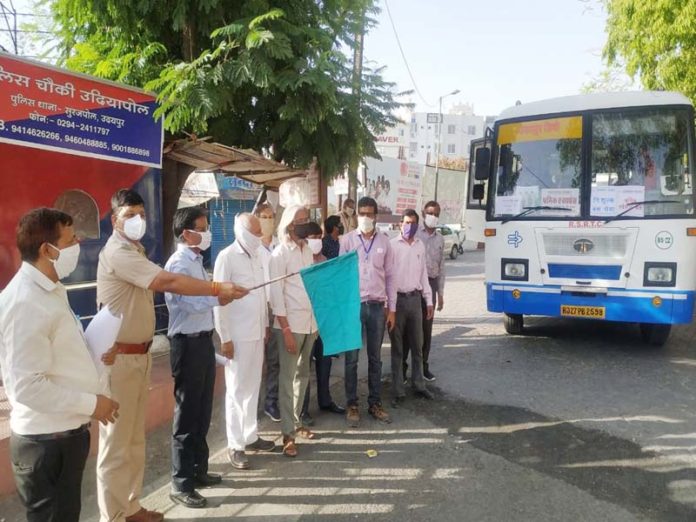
(641, 156)
(539, 164)
(636, 156)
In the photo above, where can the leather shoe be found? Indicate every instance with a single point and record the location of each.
(143, 515)
(238, 459)
(425, 394)
(289, 447)
(261, 445)
(207, 480)
(191, 499)
(334, 408)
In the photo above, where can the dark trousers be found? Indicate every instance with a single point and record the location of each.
(48, 474)
(193, 368)
(272, 363)
(322, 366)
(373, 321)
(407, 335)
(427, 329)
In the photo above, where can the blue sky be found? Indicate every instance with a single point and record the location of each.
(495, 52)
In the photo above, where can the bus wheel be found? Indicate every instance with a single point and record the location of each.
(454, 252)
(655, 334)
(514, 323)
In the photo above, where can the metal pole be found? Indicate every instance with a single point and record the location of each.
(439, 140)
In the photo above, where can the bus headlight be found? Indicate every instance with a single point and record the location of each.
(514, 269)
(660, 274)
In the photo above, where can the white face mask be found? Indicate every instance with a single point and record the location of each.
(314, 245)
(134, 228)
(349, 211)
(366, 224)
(267, 226)
(206, 239)
(431, 221)
(249, 241)
(67, 260)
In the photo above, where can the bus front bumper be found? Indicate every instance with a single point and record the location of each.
(626, 305)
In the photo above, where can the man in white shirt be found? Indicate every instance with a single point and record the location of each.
(295, 326)
(50, 378)
(243, 326)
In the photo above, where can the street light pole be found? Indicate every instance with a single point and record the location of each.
(439, 139)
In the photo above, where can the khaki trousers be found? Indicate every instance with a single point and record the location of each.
(121, 459)
(292, 380)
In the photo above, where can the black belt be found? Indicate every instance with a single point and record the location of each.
(374, 302)
(207, 333)
(53, 436)
(412, 293)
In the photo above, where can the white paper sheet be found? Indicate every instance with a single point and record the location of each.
(101, 334)
(221, 360)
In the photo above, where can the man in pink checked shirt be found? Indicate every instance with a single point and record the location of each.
(411, 282)
(378, 300)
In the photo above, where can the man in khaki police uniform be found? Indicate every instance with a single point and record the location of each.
(126, 280)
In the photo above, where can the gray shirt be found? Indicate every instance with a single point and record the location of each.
(434, 256)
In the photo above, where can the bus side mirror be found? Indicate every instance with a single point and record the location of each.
(478, 192)
(483, 160)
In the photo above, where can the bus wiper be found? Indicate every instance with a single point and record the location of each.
(529, 210)
(635, 204)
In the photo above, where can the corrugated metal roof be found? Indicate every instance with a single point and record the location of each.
(242, 163)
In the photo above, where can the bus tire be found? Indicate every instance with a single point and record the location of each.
(655, 334)
(514, 323)
(454, 252)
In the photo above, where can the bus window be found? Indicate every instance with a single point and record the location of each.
(83, 209)
(539, 164)
(639, 156)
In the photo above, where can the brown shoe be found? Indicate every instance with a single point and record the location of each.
(353, 416)
(145, 516)
(379, 413)
(289, 448)
(305, 433)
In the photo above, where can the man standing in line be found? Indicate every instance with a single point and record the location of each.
(378, 298)
(264, 212)
(126, 280)
(192, 360)
(49, 376)
(347, 216)
(435, 263)
(295, 325)
(411, 282)
(243, 327)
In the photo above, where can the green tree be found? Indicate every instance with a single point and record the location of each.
(270, 75)
(655, 40)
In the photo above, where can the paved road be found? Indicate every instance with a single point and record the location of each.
(572, 421)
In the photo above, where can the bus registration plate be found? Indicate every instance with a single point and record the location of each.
(591, 312)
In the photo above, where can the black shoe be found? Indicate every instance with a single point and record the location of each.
(397, 402)
(425, 394)
(207, 480)
(261, 445)
(334, 408)
(307, 419)
(272, 412)
(428, 376)
(191, 499)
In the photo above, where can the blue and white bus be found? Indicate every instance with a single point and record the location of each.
(590, 211)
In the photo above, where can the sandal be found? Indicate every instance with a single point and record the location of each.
(289, 448)
(305, 433)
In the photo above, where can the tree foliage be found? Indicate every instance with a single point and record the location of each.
(270, 75)
(656, 41)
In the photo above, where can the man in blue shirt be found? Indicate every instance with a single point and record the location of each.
(192, 361)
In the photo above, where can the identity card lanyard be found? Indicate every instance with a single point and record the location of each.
(367, 250)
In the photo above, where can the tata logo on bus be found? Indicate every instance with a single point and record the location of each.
(583, 246)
